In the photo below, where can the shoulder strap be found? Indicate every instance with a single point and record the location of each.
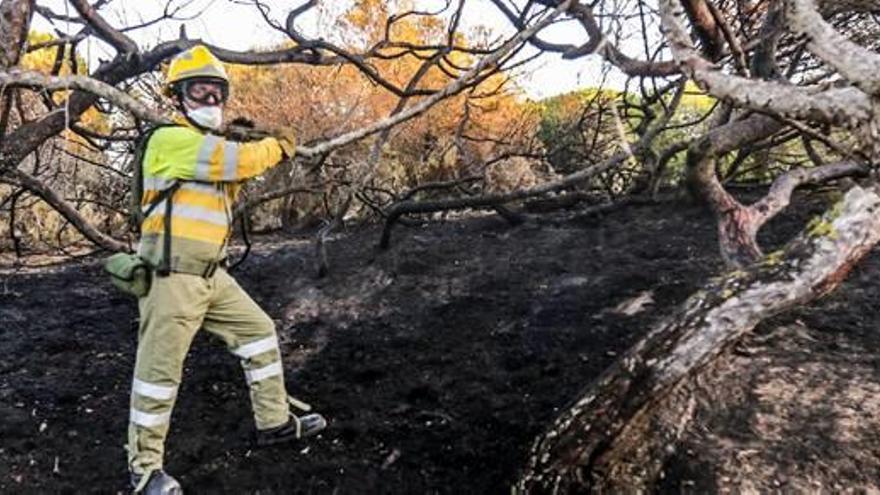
(137, 192)
(136, 216)
(164, 268)
(163, 195)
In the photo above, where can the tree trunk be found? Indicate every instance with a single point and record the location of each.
(617, 435)
(738, 224)
(15, 21)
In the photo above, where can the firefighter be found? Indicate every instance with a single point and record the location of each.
(191, 176)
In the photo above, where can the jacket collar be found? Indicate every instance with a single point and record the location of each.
(181, 120)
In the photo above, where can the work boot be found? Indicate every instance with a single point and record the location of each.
(159, 483)
(295, 428)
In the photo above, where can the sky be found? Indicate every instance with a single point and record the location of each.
(237, 25)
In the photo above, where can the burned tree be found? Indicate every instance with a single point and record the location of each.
(618, 433)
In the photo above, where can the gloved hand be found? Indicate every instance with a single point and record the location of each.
(242, 130)
(243, 122)
(286, 137)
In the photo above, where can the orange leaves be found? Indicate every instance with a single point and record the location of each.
(43, 59)
(46, 60)
(323, 102)
(368, 17)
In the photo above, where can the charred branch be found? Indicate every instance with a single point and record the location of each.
(496, 199)
(103, 29)
(36, 80)
(601, 45)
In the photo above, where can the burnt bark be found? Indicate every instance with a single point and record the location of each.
(324, 234)
(737, 226)
(705, 27)
(617, 434)
(15, 21)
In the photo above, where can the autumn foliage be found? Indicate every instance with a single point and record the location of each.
(489, 138)
(455, 139)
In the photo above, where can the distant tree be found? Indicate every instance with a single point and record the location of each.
(406, 62)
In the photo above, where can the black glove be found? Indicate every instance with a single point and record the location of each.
(242, 129)
(243, 122)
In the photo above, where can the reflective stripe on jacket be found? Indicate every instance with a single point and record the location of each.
(210, 169)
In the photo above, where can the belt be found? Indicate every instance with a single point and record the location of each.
(204, 269)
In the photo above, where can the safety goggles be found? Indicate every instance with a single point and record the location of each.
(205, 91)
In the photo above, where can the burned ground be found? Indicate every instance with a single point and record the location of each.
(439, 361)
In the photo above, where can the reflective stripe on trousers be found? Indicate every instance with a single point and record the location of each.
(171, 314)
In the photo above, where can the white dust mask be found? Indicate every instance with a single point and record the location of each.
(210, 117)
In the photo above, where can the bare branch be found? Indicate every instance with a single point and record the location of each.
(451, 89)
(600, 44)
(779, 196)
(706, 26)
(103, 29)
(36, 80)
(842, 106)
(857, 64)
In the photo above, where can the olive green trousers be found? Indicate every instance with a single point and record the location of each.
(172, 312)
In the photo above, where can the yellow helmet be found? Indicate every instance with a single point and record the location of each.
(196, 63)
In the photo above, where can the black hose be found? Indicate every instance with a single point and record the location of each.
(245, 227)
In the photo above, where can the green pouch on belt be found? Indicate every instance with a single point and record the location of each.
(130, 273)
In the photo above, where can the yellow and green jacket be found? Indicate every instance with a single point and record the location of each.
(210, 170)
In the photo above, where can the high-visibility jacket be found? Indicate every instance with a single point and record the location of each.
(210, 170)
